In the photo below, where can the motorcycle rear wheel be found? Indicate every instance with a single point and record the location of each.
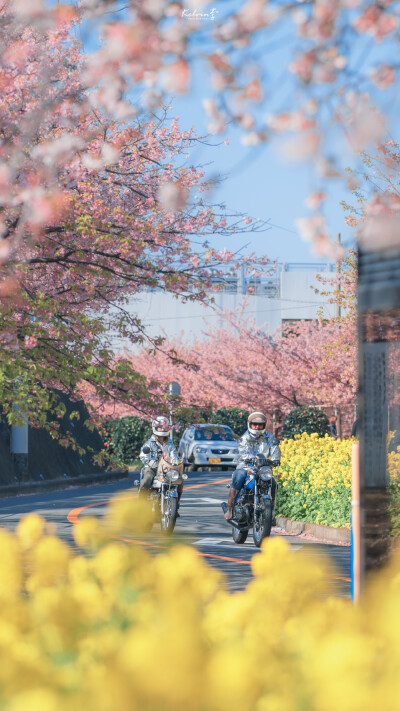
(168, 520)
(262, 526)
(239, 536)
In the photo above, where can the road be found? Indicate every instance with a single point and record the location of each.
(201, 524)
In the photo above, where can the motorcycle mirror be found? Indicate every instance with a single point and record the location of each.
(146, 450)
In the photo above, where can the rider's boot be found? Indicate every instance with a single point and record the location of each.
(231, 501)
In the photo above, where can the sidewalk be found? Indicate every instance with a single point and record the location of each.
(323, 533)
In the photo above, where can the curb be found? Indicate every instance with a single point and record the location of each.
(324, 533)
(31, 487)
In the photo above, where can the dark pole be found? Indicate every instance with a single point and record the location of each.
(378, 295)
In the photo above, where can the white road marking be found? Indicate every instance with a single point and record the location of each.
(211, 501)
(200, 502)
(228, 542)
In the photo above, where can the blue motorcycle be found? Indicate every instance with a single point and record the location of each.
(254, 502)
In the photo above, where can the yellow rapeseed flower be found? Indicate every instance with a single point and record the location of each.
(30, 529)
(123, 630)
(10, 566)
(49, 560)
(322, 468)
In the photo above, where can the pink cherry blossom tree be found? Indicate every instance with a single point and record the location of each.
(92, 211)
(338, 58)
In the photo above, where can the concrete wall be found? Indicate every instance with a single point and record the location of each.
(287, 296)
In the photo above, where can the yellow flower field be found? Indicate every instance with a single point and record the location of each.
(315, 481)
(394, 474)
(118, 629)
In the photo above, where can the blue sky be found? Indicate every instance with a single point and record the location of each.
(261, 184)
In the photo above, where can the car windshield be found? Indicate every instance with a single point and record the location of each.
(214, 434)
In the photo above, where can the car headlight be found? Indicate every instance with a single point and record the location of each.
(199, 449)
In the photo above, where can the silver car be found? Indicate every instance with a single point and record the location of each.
(209, 446)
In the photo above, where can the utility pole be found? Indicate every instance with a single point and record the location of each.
(338, 309)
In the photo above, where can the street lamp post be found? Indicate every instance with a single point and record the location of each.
(173, 390)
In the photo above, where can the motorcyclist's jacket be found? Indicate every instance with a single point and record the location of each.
(152, 458)
(249, 447)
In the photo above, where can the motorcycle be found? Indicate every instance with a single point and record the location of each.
(253, 506)
(164, 491)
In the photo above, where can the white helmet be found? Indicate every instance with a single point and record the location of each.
(161, 426)
(256, 418)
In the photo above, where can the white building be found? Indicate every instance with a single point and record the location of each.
(288, 295)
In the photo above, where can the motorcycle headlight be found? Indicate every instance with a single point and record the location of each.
(173, 475)
(265, 475)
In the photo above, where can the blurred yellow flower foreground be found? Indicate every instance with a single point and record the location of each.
(118, 629)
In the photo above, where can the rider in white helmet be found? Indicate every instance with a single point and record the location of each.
(154, 447)
(256, 424)
(256, 440)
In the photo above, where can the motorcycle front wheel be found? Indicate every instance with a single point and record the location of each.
(262, 524)
(239, 536)
(168, 520)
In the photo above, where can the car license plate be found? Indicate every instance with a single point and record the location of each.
(214, 460)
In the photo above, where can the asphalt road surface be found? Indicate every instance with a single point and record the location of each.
(201, 524)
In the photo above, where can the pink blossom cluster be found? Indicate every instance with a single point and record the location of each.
(376, 214)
